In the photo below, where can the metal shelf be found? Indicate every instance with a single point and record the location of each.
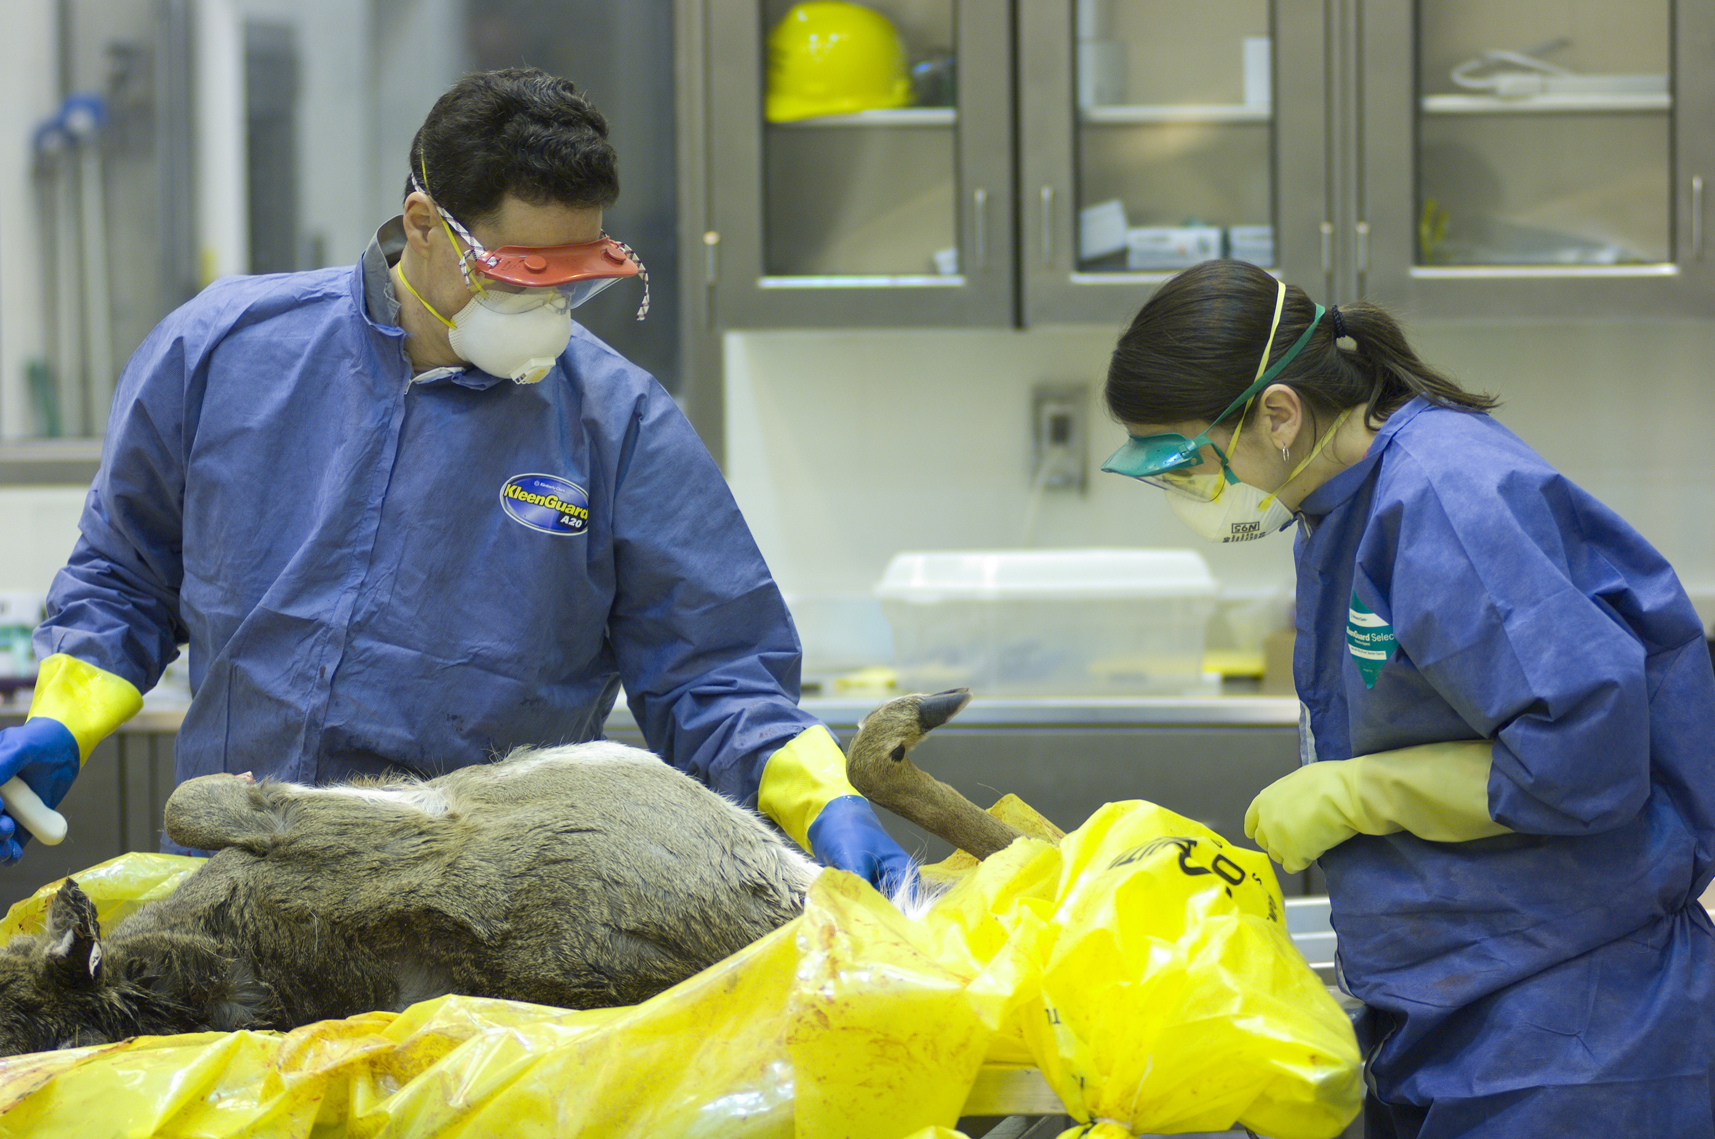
(49, 462)
(1551, 104)
(1175, 113)
(897, 117)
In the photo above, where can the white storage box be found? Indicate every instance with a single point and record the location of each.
(1024, 623)
(1253, 243)
(1171, 246)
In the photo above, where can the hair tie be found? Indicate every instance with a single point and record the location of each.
(1340, 332)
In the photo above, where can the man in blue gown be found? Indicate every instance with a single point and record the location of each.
(408, 515)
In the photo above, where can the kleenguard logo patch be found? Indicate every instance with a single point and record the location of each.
(546, 503)
(1369, 639)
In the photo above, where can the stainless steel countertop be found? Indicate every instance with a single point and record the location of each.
(1081, 711)
(846, 711)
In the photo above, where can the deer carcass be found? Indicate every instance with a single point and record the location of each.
(578, 876)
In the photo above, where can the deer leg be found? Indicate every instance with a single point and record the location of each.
(211, 812)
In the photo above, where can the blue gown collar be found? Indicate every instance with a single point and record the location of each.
(379, 304)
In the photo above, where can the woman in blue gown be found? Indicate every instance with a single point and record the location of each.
(1509, 716)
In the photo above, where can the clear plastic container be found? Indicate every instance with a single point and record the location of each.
(1025, 623)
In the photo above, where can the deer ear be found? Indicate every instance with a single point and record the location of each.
(72, 944)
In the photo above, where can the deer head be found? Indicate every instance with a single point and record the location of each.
(877, 765)
(53, 987)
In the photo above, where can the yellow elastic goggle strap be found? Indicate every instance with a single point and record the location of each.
(1249, 395)
(89, 702)
(1273, 327)
(406, 281)
(800, 779)
(1327, 436)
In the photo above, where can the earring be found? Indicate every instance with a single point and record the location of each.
(1285, 454)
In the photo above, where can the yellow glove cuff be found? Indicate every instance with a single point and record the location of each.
(1437, 791)
(799, 779)
(89, 702)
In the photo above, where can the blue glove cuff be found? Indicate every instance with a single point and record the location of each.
(37, 741)
(847, 835)
(837, 816)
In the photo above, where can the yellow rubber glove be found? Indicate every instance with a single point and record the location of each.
(89, 702)
(799, 779)
(1437, 791)
(804, 789)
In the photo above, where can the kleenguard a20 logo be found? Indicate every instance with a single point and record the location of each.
(546, 503)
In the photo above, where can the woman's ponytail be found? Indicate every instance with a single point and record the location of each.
(1393, 370)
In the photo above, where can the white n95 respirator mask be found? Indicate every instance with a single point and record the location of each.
(1243, 513)
(1221, 511)
(513, 335)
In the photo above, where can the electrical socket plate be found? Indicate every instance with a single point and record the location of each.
(1059, 434)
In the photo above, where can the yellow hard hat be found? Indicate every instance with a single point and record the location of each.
(826, 57)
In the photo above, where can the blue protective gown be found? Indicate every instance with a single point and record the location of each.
(1559, 981)
(379, 572)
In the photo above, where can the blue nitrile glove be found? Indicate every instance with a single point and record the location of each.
(44, 753)
(847, 834)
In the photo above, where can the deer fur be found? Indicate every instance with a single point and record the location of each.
(579, 876)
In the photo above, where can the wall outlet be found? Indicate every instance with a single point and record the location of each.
(1059, 425)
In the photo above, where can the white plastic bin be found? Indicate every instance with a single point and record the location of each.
(1023, 623)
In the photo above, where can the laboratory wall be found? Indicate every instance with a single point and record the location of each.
(844, 448)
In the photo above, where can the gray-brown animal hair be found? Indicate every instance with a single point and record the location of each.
(579, 876)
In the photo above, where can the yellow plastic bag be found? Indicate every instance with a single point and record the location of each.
(118, 887)
(1141, 964)
(1171, 998)
(839, 1022)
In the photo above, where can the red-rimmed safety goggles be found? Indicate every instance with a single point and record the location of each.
(578, 271)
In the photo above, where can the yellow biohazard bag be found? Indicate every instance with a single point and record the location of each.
(1142, 965)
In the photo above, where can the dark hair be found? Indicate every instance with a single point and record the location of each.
(1194, 347)
(516, 131)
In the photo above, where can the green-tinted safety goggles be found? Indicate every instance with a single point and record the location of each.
(1164, 459)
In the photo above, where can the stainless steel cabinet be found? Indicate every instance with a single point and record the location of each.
(1446, 158)
(1528, 157)
(1148, 137)
(882, 216)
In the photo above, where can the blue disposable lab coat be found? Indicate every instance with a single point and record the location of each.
(374, 572)
(1558, 981)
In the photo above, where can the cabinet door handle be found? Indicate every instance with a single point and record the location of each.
(981, 198)
(1327, 247)
(1363, 247)
(711, 273)
(1048, 226)
(1697, 217)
